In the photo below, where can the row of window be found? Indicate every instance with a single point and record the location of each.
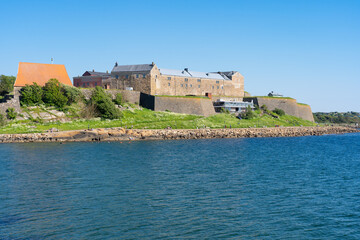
(186, 85)
(84, 84)
(186, 80)
(127, 76)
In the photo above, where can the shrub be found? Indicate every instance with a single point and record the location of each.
(248, 114)
(104, 104)
(6, 84)
(73, 94)
(2, 120)
(223, 110)
(31, 95)
(118, 99)
(11, 114)
(264, 107)
(53, 95)
(279, 112)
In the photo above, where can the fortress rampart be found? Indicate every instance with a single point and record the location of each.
(289, 105)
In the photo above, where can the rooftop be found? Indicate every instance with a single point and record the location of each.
(40, 73)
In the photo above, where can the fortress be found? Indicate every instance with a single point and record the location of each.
(149, 79)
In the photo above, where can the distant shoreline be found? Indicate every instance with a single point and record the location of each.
(121, 134)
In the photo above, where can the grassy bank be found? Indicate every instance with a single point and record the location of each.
(147, 119)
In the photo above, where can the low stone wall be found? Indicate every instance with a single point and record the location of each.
(196, 106)
(128, 96)
(121, 134)
(12, 102)
(290, 106)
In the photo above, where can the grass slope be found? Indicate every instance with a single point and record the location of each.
(147, 119)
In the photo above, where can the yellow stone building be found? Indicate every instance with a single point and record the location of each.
(150, 79)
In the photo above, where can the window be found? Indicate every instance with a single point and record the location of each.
(199, 80)
(137, 75)
(185, 85)
(83, 84)
(155, 76)
(182, 85)
(217, 82)
(169, 84)
(117, 76)
(88, 84)
(212, 87)
(222, 87)
(95, 83)
(198, 86)
(190, 85)
(127, 76)
(169, 78)
(144, 75)
(186, 79)
(217, 87)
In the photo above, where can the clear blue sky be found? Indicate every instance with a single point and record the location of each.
(306, 49)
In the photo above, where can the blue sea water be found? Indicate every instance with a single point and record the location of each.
(265, 188)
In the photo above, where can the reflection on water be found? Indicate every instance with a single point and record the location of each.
(274, 188)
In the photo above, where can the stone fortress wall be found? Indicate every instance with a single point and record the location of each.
(290, 106)
(13, 102)
(128, 96)
(196, 106)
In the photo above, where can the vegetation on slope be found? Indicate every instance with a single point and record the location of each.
(337, 117)
(148, 119)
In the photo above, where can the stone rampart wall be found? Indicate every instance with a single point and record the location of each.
(197, 106)
(290, 106)
(128, 96)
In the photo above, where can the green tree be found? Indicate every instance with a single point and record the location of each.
(6, 84)
(53, 94)
(73, 94)
(118, 99)
(104, 104)
(248, 114)
(279, 111)
(31, 95)
(11, 114)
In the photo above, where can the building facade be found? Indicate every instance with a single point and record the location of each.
(91, 79)
(150, 79)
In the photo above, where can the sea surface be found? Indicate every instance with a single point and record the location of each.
(259, 188)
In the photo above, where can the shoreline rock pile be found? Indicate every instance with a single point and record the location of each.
(121, 134)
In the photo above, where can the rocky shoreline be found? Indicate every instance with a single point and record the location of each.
(121, 134)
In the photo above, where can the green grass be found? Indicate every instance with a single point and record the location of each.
(147, 119)
(181, 96)
(303, 104)
(270, 97)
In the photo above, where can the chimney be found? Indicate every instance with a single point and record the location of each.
(152, 63)
(186, 69)
(93, 70)
(116, 64)
(107, 71)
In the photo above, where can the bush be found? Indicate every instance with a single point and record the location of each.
(104, 104)
(53, 94)
(248, 114)
(223, 110)
(6, 84)
(118, 99)
(73, 94)
(11, 114)
(2, 120)
(279, 112)
(31, 95)
(264, 107)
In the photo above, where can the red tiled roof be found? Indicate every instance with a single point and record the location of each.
(40, 73)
